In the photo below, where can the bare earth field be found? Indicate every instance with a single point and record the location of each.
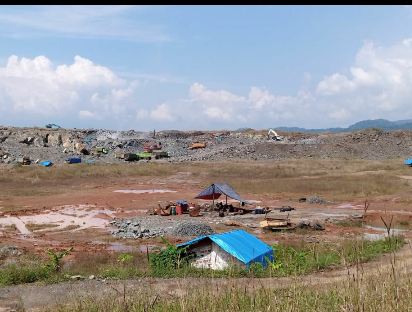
(72, 205)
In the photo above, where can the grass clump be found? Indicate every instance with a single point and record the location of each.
(23, 273)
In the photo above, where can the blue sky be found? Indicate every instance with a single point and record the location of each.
(204, 67)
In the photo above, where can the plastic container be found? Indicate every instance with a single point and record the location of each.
(192, 206)
(173, 210)
(179, 209)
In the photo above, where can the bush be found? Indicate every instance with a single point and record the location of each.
(167, 260)
(21, 274)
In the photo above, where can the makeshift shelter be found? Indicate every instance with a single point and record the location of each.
(46, 163)
(219, 251)
(217, 189)
(408, 162)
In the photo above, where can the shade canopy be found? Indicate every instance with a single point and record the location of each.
(217, 189)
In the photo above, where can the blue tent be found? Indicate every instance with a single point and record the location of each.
(46, 163)
(240, 244)
(408, 162)
(215, 190)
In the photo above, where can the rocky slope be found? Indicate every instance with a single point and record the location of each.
(57, 144)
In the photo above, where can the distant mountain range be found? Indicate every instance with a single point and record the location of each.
(382, 124)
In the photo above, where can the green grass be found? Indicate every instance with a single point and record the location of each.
(22, 273)
(293, 260)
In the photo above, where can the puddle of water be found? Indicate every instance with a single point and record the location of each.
(143, 191)
(331, 215)
(382, 235)
(83, 216)
(122, 248)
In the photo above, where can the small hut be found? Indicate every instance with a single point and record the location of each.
(220, 251)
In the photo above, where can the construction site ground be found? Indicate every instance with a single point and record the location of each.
(80, 210)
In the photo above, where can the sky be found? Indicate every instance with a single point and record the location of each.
(204, 67)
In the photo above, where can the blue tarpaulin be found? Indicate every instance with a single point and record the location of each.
(215, 190)
(240, 244)
(182, 202)
(408, 162)
(46, 163)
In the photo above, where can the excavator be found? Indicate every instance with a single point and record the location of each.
(52, 125)
(274, 136)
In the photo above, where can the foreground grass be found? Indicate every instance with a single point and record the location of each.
(376, 293)
(289, 261)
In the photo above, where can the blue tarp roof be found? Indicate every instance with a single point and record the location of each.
(240, 244)
(215, 190)
(408, 162)
(46, 163)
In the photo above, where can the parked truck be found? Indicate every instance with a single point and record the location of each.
(99, 150)
(130, 157)
(145, 156)
(161, 154)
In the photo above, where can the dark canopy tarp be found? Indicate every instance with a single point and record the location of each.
(215, 190)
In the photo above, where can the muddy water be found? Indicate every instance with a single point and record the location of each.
(382, 235)
(144, 191)
(122, 248)
(84, 216)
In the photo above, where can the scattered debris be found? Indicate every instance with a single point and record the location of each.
(286, 208)
(234, 223)
(302, 199)
(9, 251)
(271, 223)
(316, 200)
(73, 160)
(197, 145)
(24, 161)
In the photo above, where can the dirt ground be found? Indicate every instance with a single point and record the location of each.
(79, 215)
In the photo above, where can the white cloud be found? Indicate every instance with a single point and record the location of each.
(82, 89)
(380, 82)
(85, 114)
(341, 114)
(260, 97)
(142, 114)
(377, 85)
(162, 113)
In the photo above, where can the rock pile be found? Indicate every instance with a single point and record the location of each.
(191, 229)
(316, 200)
(146, 227)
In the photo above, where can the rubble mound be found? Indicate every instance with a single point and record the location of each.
(141, 227)
(147, 227)
(192, 229)
(316, 200)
